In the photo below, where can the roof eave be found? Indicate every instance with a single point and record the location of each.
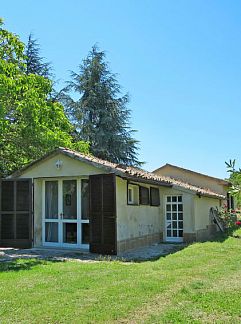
(143, 180)
(220, 197)
(199, 193)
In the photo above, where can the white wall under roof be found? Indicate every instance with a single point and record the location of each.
(70, 167)
(193, 178)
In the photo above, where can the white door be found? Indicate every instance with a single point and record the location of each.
(174, 218)
(65, 223)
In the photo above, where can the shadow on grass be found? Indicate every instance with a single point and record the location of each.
(23, 264)
(219, 237)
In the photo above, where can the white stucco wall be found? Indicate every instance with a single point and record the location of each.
(70, 168)
(202, 207)
(135, 221)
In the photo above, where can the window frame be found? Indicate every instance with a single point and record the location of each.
(174, 200)
(230, 202)
(130, 201)
(135, 200)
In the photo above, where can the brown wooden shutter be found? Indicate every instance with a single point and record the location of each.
(154, 197)
(16, 213)
(144, 195)
(102, 214)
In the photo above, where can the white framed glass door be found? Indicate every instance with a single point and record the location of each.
(69, 216)
(63, 224)
(174, 218)
(51, 213)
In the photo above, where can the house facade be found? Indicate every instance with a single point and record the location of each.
(70, 200)
(218, 185)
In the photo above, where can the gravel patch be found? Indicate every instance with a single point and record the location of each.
(152, 252)
(137, 255)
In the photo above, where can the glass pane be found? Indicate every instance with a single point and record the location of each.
(174, 207)
(174, 198)
(174, 216)
(168, 216)
(179, 198)
(180, 207)
(85, 233)
(168, 207)
(180, 233)
(51, 232)
(169, 233)
(69, 199)
(180, 225)
(70, 233)
(174, 224)
(51, 199)
(180, 216)
(130, 195)
(22, 203)
(175, 233)
(169, 225)
(168, 199)
(85, 199)
(7, 196)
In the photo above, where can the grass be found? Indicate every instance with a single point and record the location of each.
(200, 284)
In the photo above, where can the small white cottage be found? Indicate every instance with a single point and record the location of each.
(70, 200)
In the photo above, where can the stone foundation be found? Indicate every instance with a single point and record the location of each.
(201, 235)
(137, 242)
(207, 233)
(189, 237)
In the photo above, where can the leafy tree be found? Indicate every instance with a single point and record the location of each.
(30, 123)
(100, 114)
(34, 62)
(235, 180)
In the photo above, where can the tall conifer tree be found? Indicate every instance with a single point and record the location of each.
(34, 62)
(100, 114)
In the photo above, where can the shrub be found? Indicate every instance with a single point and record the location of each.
(231, 218)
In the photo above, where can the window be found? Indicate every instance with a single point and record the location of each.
(85, 226)
(154, 197)
(132, 194)
(84, 199)
(144, 195)
(69, 199)
(230, 201)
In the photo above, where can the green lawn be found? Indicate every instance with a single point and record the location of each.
(200, 284)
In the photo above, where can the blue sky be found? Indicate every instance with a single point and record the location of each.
(179, 60)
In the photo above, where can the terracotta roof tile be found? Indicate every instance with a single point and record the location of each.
(142, 174)
(135, 174)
